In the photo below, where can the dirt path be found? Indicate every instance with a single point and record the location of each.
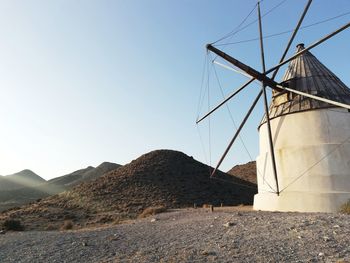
(193, 235)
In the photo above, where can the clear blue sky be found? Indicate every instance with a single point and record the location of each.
(82, 82)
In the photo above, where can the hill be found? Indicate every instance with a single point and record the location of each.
(83, 175)
(31, 192)
(245, 171)
(160, 178)
(21, 179)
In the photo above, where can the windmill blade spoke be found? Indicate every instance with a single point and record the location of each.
(250, 81)
(292, 37)
(263, 77)
(226, 100)
(266, 105)
(237, 133)
(249, 70)
(332, 102)
(310, 47)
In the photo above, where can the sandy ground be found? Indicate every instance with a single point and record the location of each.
(192, 235)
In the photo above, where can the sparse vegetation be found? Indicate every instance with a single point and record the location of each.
(160, 178)
(67, 225)
(14, 225)
(345, 208)
(149, 211)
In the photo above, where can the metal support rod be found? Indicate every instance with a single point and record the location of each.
(332, 102)
(292, 37)
(266, 106)
(210, 47)
(308, 48)
(262, 77)
(225, 100)
(252, 72)
(231, 68)
(237, 132)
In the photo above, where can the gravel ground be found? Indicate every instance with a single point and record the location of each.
(192, 235)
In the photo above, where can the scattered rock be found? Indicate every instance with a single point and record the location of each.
(327, 239)
(208, 253)
(153, 220)
(228, 224)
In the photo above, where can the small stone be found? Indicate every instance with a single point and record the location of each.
(84, 244)
(228, 224)
(325, 238)
(336, 226)
(300, 237)
(153, 220)
(211, 226)
(321, 254)
(208, 253)
(2, 232)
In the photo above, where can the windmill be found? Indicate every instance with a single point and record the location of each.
(305, 133)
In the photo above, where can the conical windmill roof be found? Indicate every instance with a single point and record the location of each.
(307, 74)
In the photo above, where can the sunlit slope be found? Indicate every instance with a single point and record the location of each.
(245, 171)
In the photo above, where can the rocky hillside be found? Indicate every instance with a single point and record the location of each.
(245, 171)
(30, 192)
(160, 178)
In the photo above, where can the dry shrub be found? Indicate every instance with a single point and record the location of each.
(345, 208)
(67, 225)
(14, 225)
(153, 210)
(50, 227)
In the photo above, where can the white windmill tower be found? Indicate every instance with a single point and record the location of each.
(304, 159)
(311, 142)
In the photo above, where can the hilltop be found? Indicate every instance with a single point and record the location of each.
(162, 178)
(245, 171)
(25, 178)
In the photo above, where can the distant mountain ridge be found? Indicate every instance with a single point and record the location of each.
(26, 186)
(83, 175)
(24, 178)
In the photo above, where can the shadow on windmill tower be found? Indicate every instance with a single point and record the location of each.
(304, 159)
